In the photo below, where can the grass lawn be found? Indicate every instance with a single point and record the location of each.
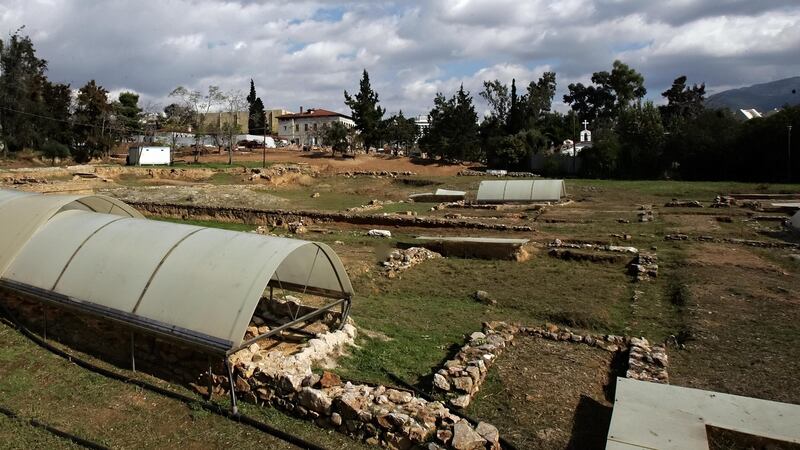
(733, 308)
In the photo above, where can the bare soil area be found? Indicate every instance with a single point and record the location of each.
(200, 194)
(547, 394)
(326, 162)
(742, 327)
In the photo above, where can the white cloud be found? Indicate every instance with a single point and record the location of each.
(307, 52)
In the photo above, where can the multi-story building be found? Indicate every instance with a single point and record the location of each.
(306, 127)
(272, 119)
(218, 119)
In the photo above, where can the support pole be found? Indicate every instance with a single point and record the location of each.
(234, 408)
(133, 352)
(210, 381)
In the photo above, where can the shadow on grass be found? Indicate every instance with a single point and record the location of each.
(590, 425)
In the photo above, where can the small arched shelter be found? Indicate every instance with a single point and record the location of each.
(196, 285)
(521, 191)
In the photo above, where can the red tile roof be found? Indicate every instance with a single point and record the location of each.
(312, 113)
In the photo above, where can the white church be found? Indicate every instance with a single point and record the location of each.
(571, 148)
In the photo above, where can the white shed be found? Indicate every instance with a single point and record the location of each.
(149, 156)
(521, 191)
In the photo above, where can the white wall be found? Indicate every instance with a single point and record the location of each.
(148, 156)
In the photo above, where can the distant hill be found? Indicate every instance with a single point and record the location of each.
(763, 97)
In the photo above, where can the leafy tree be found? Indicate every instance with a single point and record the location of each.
(703, 147)
(257, 117)
(336, 136)
(91, 122)
(610, 93)
(641, 135)
(496, 95)
(366, 113)
(177, 119)
(539, 98)
(22, 81)
(589, 102)
(400, 131)
(600, 160)
(55, 150)
(57, 108)
(683, 102)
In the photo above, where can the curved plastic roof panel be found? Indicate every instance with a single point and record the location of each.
(501, 191)
(22, 214)
(204, 282)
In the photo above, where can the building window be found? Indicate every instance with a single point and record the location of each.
(315, 127)
(297, 127)
(305, 127)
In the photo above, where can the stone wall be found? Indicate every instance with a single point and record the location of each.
(460, 377)
(270, 375)
(279, 217)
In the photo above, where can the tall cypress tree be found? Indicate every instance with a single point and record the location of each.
(366, 113)
(257, 116)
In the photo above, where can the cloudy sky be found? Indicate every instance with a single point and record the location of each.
(305, 53)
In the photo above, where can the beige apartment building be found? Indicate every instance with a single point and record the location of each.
(305, 127)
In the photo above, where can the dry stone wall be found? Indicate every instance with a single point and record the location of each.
(460, 378)
(380, 415)
(280, 217)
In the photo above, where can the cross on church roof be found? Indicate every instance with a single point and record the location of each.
(585, 123)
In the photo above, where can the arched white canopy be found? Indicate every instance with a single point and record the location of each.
(201, 285)
(503, 191)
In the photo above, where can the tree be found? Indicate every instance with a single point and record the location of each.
(91, 122)
(336, 136)
(127, 115)
(55, 150)
(641, 137)
(365, 111)
(496, 95)
(610, 93)
(199, 105)
(234, 102)
(540, 95)
(257, 116)
(453, 131)
(516, 111)
(683, 103)
(22, 83)
(400, 131)
(57, 100)
(177, 119)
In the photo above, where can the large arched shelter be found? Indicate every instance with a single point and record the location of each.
(193, 284)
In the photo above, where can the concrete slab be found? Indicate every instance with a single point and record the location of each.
(650, 415)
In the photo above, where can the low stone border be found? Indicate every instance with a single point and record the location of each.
(376, 414)
(375, 173)
(558, 243)
(279, 217)
(460, 378)
(478, 173)
(747, 242)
